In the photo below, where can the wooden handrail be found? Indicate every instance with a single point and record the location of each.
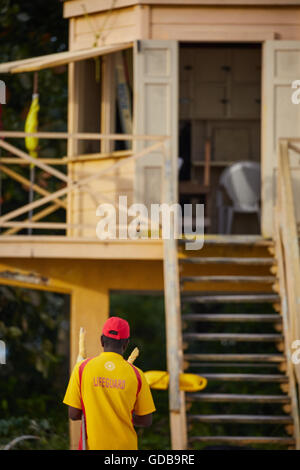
(288, 256)
(80, 136)
(288, 225)
(178, 424)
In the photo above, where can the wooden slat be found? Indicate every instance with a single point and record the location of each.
(257, 419)
(234, 279)
(237, 398)
(232, 317)
(241, 337)
(231, 365)
(81, 136)
(236, 357)
(29, 184)
(240, 440)
(245, 240)
(246, 377)
(251, 298)
(35, 161)
(38, 216)
(223, 260)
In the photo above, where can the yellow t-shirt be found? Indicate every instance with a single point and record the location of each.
(109, 388)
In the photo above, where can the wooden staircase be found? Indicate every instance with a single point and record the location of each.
(233, 334)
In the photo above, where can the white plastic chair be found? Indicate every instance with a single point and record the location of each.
(241, 182)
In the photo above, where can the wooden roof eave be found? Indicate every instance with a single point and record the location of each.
(60, 58)
(75, 8)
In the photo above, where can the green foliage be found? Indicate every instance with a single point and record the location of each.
(29, 29)
(50, 435)
(145, 314)
(35, 329)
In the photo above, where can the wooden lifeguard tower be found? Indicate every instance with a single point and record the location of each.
(151, 81)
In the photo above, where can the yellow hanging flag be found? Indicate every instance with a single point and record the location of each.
(31, 125)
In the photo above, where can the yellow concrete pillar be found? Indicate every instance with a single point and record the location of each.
(89, 309)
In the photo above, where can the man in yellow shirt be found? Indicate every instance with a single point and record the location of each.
(113, 395)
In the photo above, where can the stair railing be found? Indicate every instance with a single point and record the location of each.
(173, 315)
(288, 257)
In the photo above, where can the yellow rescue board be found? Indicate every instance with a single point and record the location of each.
(159, 380)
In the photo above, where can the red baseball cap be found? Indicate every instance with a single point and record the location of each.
(116, 328)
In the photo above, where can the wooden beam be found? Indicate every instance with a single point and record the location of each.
(29, 184)
(173, 320)
(81, 136)
(74, 8)
(44, 225)
(35, 161)
(62, 58)
(77, 184)
(65, 160)
(18, 161)
(62, 247)
(108, 113)
(144, 22)
(40, 215)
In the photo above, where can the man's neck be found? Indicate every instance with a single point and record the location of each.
(113, 351)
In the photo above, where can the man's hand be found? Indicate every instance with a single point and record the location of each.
(74, 413)
(142, 421)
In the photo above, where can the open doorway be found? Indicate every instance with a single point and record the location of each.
(219, 125)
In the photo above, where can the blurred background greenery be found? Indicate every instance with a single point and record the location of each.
(35, 324)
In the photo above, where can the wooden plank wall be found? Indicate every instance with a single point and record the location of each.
(225, 24)
(113, 27)
(101, 191)
(186, 23)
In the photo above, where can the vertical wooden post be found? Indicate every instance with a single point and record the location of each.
(173, 320)
(108, 97)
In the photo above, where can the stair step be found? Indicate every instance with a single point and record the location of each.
(235, 357)
(260, 419)
(244, 440)
(246, 337)
(255, 279)
(246, 240)
(225, 260)
(232, 317)
(241, 365)
(246, 377)
(236, 398)
(237, 298)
